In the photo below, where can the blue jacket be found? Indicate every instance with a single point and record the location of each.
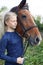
(14, 45)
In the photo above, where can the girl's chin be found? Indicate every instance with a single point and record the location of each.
(14, 28)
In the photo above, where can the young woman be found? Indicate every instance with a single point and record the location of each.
(11, 41)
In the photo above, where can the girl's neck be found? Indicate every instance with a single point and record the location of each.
(10, 30)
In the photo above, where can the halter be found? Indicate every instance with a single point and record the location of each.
(25, 30)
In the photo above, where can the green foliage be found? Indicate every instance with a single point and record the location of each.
(3, 9)
(37, 21)
(34, 55)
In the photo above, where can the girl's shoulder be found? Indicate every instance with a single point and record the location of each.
(9, 35)
(5, 36)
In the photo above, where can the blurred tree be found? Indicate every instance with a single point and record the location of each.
(2, 12)
(3, 9)
(37, 21)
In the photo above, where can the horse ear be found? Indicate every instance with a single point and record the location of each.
(22, 4)
(14, 9)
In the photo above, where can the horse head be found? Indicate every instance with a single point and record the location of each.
(26, 26)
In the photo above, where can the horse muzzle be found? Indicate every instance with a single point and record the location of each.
(34, 41)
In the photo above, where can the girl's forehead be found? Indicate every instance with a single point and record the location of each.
(11, 17)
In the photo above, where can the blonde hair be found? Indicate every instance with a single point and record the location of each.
(8, 15)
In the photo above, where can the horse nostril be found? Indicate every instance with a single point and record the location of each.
(37, 40)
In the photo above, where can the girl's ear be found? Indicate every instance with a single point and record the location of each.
(6, 23)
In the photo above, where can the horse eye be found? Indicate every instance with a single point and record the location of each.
(23, 16)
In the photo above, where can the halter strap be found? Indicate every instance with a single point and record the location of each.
(23, 28)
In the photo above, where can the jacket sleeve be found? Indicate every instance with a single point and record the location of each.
(3, 45)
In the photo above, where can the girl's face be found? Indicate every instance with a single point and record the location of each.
(12, 22)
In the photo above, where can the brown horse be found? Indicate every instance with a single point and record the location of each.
(26, 26)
